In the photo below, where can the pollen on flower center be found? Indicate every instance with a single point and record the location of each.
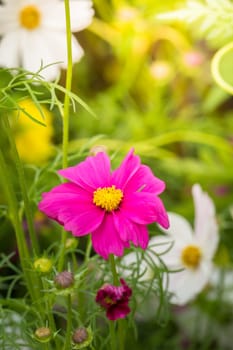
(109, 301)
(108, 198)
(30, 17)
(191, 256)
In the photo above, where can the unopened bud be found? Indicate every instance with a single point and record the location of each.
(43, 265)
(82, 338)
(64, 280)
(80, 335)
(43, 334)
(71, 243)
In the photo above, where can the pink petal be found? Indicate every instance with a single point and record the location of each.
(80, 218)
(72, 207)
(90, 174)
(144, 181)
(106, 239)
(60, 195)
(126, 170)
(144, 208)
(118, 311)
(129, 231)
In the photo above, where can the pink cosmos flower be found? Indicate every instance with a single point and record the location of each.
(115, 300)
(114, 206)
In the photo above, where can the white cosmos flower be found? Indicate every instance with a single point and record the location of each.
(34, 32)
(192, 251)
(186, 252)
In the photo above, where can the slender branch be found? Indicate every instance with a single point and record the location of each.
(65, 137)
(67, 344)
(23, 187)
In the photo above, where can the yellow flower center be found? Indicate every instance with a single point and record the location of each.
(30, 17)
(108, 198)
(109, 301)
(191, 256)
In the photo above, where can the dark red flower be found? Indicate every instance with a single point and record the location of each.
(115, 300)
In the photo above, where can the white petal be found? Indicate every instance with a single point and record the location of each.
(8, 19)
(35, 49)
(166, 249)
(185, 285)
(48, 48)
(77, 52)
(179, 229)
(9, 50)
(205, 227)
(81, 14)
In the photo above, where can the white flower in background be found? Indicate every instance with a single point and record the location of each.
(34, 33)
(192, 250)
(211, 19)
(186, 252)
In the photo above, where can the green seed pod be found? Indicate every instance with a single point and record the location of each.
(43, 334)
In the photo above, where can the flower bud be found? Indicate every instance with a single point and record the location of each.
(82, 337)
(43, 265)
(64, 280)
(43, 334)
(71, 243)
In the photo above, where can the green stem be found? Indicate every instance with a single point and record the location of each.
(65, 136)
(113, 269)
(112, 335)
(46, 346)
(121, 326)
(49, 306)
(23, 186)
(121, 334)
(15, 219)
(62, 252)
(68, 85)
(88, 249)
(67, 344)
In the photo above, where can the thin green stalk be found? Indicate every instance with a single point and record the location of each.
(112, 335)
(74, 261)
(65, 140)
(121, 327)
(67, 345)
(113, 269)
(46, 346)
(23, 186)
(15, 219)
(88, 249)
(65, 137)
(121, 334)
(61, 259)
(48, 305)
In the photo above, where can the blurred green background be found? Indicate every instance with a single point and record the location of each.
(150, 86)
